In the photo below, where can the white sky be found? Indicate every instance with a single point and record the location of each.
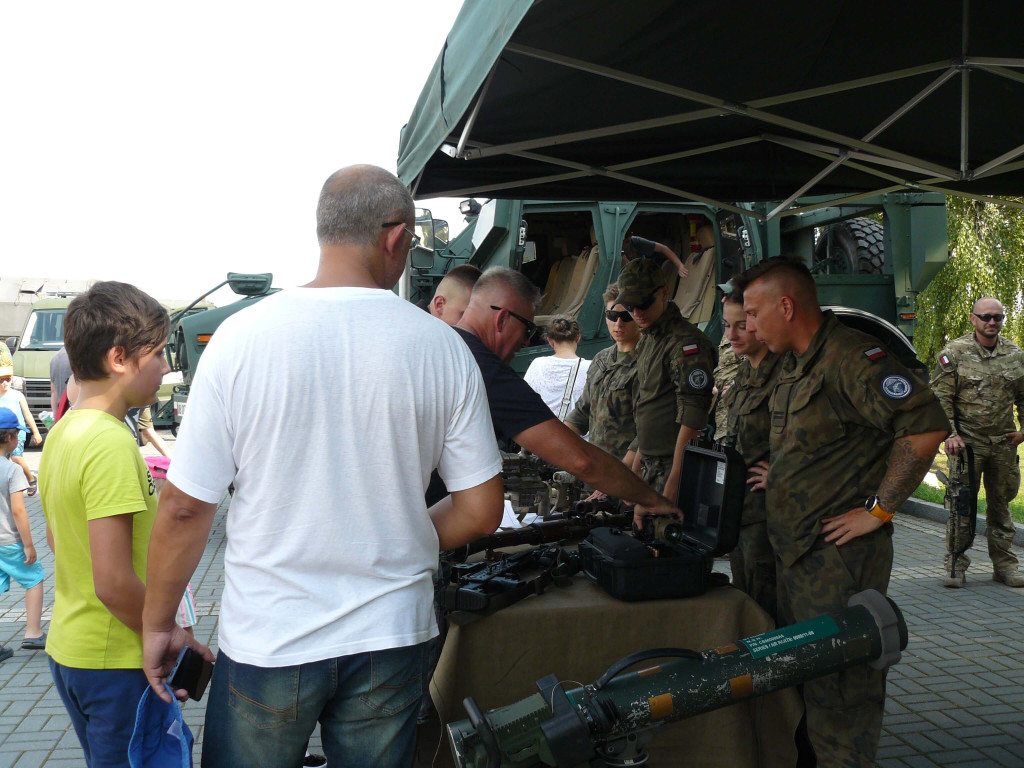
(166, 144)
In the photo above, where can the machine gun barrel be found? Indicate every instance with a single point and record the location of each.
(611, 719)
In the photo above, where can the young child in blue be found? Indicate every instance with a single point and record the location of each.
(15, 401)
(17, 552)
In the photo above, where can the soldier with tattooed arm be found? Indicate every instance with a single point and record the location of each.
(848, 423)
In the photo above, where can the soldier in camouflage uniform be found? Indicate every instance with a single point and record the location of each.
(729, 364)
(605, 409)
(848, 422)
(747, 429)
(674, 364)
(979, 379)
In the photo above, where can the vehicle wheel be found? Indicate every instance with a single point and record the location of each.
(181, 353)
(858, 248)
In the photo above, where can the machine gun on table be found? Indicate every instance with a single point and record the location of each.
(572, 525)
(475, 589)
(480, 588)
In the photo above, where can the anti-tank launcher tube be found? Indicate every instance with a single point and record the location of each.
(611, 720)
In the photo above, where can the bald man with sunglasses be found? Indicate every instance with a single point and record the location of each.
(979, 380)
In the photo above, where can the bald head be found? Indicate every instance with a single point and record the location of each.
(452, 295)
(501, 310)
(356, 201)
(780, 300)
(987, 316)
(987, 304)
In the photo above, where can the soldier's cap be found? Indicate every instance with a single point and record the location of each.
(638, 280)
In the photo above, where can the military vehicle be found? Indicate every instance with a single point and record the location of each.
(873, 255)
(42, 338)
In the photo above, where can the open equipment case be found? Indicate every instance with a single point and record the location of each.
(671, 559)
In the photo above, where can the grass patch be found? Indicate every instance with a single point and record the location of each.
(926, 492)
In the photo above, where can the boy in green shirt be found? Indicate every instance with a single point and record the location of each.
(100, 503)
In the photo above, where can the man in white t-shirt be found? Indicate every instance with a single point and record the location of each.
(327, 406)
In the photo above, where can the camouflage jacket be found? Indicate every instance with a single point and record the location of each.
(750, 421)
(728, 364)
(836, 411)
(674, 361)
(982, 385)
(605, 408)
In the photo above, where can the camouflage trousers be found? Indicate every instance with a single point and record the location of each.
(844, 710)
(656, 470)
(997, 467)
(753, 566)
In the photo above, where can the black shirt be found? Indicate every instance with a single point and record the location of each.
(514, 406)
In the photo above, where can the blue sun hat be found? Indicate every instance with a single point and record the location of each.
(161, 738)
(9, 420)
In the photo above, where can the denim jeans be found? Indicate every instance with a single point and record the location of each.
(101, 704)
(366, 704)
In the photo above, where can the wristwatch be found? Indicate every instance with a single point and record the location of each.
(874, 508)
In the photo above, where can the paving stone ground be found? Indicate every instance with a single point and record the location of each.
(955, 699)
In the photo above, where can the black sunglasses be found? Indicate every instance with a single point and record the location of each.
(614, 316)
(415, 241)
(530, 325)
(998, 317)
(642, 305)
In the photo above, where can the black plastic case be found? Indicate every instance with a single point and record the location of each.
(711, 488)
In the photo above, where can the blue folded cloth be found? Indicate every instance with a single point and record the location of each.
(161, 738)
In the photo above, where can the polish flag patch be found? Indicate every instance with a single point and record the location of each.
(691, 349)
(877, 353)
(944, 359)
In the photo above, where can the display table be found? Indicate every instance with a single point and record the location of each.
(577, 632)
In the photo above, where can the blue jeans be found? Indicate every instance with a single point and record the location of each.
(101, 704)
(366, 704)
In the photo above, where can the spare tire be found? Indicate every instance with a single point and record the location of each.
(858, 248)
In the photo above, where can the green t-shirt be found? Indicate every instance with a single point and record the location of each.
(91, 468)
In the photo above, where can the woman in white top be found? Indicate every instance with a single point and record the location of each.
(560, 378)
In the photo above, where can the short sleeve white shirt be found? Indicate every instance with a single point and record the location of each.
(328, 408)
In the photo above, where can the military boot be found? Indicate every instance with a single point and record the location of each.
(955, 581)
(1009, 578)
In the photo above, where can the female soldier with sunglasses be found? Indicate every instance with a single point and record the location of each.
(605, 409)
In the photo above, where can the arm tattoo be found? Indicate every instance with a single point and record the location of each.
(906, 471)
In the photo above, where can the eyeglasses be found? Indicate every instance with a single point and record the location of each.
(530, 325)
(415, 238)
(646, 303)
(998, 317)
(6, 379)
(614, 316)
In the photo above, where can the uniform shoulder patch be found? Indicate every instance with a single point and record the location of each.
(944, 359)
(691, 349)
(896, 387)
(875, 353)
(698, 379)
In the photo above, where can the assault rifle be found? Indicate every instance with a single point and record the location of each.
(961, 502)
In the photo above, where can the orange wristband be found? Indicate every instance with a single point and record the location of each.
(880, 513)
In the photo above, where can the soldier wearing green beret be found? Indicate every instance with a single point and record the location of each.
(979, 380)
(848, 423)
(674, 361)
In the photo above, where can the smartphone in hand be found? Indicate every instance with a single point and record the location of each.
(191, 672)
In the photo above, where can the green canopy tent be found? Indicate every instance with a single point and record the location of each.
(722, 101)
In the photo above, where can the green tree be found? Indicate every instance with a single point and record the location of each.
(986, 258)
